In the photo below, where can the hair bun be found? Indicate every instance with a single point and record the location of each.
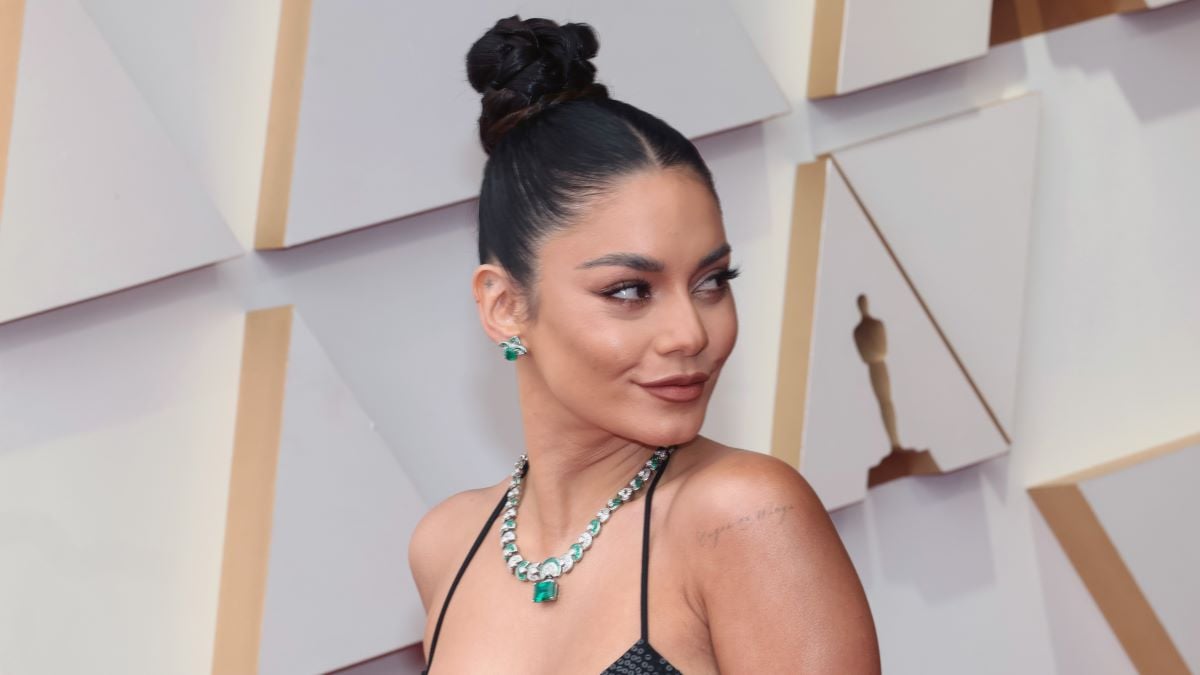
(523, 66)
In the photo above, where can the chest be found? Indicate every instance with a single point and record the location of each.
(491, 623)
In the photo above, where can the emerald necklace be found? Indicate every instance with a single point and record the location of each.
(544, 575)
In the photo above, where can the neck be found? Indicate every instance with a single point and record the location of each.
(566, 484)
(574, 468)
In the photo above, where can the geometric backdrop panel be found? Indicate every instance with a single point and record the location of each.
(372, 118)
(320, 514)
(97, 197)
(204, 67)
(862, 43)
(954, 201)
(864, 376)
(338, 590)
(114, 473)
(1124, 525)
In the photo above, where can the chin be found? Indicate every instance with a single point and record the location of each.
(667, 429)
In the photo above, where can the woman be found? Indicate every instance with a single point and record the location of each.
(604, 277)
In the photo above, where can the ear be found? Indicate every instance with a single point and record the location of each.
(499, 302)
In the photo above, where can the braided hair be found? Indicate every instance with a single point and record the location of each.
(554, 137)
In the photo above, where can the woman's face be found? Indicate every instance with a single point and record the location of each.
(634, 315)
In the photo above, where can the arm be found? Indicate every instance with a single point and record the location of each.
(777, 588)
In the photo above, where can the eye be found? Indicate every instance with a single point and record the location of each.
(718, 281)
(629, 291)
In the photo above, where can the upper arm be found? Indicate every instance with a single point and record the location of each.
(777, 588)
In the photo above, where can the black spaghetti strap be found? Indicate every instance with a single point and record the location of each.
(646, 546)
(487, 526)
(462, 568)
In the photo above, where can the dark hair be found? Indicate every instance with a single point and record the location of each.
(555, 138)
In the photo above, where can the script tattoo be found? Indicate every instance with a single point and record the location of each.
(709, 538)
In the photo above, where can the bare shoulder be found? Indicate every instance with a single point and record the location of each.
(726, 488)
(444, 534)
(738, 510)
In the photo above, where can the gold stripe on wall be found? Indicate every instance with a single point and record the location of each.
(283, 123)
(825, 59)
(1110, 582)
(12, 17)
(1100, 566)
(799, 296)
(1016, 19)
(252, 490)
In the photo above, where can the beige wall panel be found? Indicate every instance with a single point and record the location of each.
(843, 429)
(863, 43)
(338, 589)
(319, 517)
(1146, 508)
(204, 67)
(387, 123)
(97, 196)
(1120, 524)
(954, 200)
(114, 463)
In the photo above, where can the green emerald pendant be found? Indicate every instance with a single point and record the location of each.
(545, 590)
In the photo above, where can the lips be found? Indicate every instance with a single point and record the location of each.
(677, 388)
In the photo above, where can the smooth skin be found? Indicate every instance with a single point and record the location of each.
(747, 573)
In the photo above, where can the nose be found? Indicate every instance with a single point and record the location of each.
(682, 329)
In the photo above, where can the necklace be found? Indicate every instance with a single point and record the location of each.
(544, 575)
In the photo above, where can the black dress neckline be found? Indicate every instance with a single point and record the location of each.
(641, 658)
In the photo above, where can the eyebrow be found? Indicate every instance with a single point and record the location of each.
(642, 263)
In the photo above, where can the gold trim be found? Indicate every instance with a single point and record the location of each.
(283, 124)
(826, 56)
(251, 506)
(930, 122)
(1122, 463)
(1123, 6)
(1017, 19)
(1100, 566)
(12, 19)
(799, 298)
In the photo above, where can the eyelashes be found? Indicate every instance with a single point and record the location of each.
(726, 275)
(637, 291)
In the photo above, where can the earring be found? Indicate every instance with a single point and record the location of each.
(513, 348)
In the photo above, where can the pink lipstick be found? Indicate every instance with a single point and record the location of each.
(677, 388)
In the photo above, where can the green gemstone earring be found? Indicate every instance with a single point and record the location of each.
(513, 348)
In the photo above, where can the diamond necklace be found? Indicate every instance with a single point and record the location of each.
(545, 574)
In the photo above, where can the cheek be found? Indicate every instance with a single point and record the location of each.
(592, 345)
(600, 351)
(722, 327)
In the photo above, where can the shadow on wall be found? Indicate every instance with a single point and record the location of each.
(945, 554)
(870, 338)
(842, 121)
(1150, 44)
